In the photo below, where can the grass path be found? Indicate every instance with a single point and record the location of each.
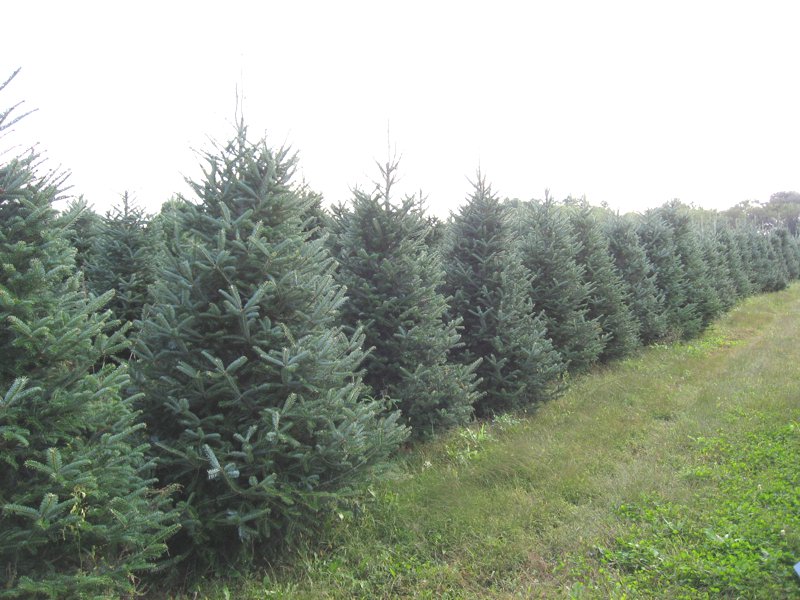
(671, 474)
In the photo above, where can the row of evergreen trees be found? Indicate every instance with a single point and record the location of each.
(204, 384)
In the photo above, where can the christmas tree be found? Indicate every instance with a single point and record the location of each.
(644, 299)
(609, 298)
(123, 259)
(78, 511)
(393, 282)
(490, 294)
(681, 313)
(251, 388)
(549, 249)
(718, 266)
(700, 289)
(730, 248)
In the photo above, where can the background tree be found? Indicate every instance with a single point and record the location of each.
(608, 298)
(393, 282)
(123, 259)
(766, 273)
(718, 268)
(786, 248)
(78, 511)
(644, 298)
(681, 313)
(548, 248)
(700, 289)
(81, 225)
(251, 389)
(490, 294)
(731, 250)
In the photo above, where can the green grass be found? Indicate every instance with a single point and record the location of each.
(672, 474)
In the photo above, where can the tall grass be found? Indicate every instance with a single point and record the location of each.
(627, 486)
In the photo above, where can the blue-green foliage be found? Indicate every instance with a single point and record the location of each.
(252, 393)
(549, 249)
(609, 298)
(393, 280)
(121, 259)
(79, 513)
(489, 291)
(645, 300)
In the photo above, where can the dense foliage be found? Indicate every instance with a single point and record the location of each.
(79, 512)
(489, 291)
(121, 259)
(393, 280)
(252, 393)
(549, 248)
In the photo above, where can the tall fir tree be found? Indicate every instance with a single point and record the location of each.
(681, 313)
(78, 511)
(393, 282)
(80, 225)
(123, 259)
(609, 297)
(490, 293)
(718, 267)
(784, 246)
(730, 248)
(767, 274)
(700, 289)
(645, 300)
(549, 248)
(251, 388)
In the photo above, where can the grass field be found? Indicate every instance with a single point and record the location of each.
(674, 474)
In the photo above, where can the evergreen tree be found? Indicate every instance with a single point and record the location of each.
(608, 299)
(80, 225)
(316, 219)
(774, 270)
(766, 272)
(78, 513)
(700, 289)
(549, 249)
(745, 237)
(644, 298)
(489, 291)
(720, 275)
(682, 315)
(251, 388)
(731, 250)
(785, 247)
(393, 282)
(123, 259)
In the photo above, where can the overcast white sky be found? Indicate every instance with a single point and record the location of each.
(631, 103)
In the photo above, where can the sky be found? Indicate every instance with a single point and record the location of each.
(627, 103)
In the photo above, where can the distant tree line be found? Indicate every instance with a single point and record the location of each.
(198, 386)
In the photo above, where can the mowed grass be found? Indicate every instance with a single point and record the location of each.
(671, 474)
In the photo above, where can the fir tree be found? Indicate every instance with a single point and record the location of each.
(123, 259)
(700, 289)
(393, 282)
(80, 224)
(765, 270)
(251, 388)
(785, 247)
(608, 299)
(490, 294)
(78, 512)
(644, 298)
(548, 250)
(730, 248)
(717, 264)
(681, 313)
